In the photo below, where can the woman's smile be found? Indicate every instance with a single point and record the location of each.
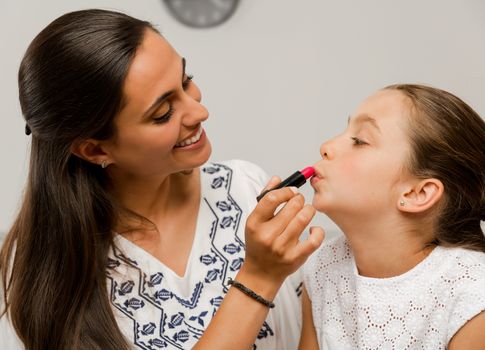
(195, 140)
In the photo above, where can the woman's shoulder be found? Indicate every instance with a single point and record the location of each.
(239, 167)
(244, 174)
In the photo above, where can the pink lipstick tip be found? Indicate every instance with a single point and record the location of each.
(308, 172)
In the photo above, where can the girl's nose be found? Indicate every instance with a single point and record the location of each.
(325, 150)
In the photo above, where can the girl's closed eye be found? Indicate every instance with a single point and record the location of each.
(167, 115)
(358, 142)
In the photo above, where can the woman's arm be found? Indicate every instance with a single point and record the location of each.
(273, 252)
(471, 336)
(308, 339)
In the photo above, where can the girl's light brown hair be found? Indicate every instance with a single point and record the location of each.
(448, 143)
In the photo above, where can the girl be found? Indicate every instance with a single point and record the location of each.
(127, 237)
(406, 184)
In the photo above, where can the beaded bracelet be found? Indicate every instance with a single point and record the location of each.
(250, 293)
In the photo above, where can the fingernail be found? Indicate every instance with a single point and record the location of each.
(294, 189)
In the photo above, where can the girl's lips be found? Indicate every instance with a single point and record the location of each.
(314, 179)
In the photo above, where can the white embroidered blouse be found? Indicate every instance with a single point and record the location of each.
(157, 309)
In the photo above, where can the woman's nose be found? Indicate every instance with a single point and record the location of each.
(195, 112)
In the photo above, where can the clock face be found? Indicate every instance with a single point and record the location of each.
(202, 13)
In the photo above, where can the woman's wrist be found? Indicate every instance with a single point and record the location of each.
(263, 284)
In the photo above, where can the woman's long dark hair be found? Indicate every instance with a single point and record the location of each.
(448, 143)
(54, 256)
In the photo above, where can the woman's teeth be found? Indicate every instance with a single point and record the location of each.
(190, 141)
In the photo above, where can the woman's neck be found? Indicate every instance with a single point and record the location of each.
(155, 198)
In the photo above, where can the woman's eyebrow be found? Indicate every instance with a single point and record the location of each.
(364, 119)
(164, 96)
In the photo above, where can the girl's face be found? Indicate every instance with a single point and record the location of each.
(362, 170)
(159, 130)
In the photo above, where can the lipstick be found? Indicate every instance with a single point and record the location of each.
(297, 179)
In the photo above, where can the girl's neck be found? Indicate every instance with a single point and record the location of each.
(388, 250)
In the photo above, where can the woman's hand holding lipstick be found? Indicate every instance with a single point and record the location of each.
(273, 249)
(297, 179)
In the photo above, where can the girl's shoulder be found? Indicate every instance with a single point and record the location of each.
(333, 251)
(460, 264)
(334, 256)
(467, 255)
(464, 270)
(462, 279)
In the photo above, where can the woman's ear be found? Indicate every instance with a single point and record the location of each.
(91, 151)
(421, 196)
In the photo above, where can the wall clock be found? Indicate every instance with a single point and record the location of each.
(202, 13)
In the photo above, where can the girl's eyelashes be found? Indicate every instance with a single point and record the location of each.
(164, 118)
(358, 142)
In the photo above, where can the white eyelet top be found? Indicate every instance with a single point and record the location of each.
(420, 309)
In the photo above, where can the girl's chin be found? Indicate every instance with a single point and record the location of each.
(322, 203)
(318, 205)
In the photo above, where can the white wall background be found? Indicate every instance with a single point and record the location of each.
(280, 77)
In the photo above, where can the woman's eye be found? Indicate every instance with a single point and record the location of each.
(358, 142)
(187, 81)
(165, 117)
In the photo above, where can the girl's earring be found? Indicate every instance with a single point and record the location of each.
(402, 203)
(104, 164)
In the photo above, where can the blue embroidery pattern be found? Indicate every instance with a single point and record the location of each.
(140, 298)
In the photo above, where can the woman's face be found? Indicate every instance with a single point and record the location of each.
(159, 130)
(362, 170)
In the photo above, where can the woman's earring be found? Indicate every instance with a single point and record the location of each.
(402, 203)
(104, 164)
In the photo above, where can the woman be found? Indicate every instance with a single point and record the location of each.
(126, 238)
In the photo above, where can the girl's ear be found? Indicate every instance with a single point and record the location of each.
(91, 151)
(421, 196)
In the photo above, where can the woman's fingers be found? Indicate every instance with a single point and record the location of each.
(275, 180)
(305, 248)
(266, 207)
(288, 212)
(272, 240)
(298, 223)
